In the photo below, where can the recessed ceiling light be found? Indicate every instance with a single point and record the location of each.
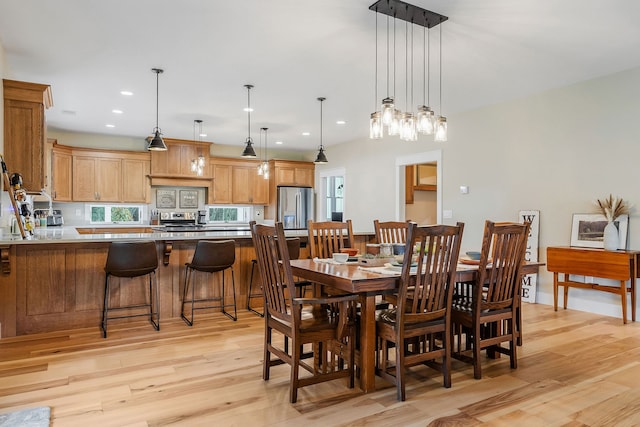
(203, 135)
(69, 112)
(126, 93)
(248, 110)
(341, 122)
(279, 142)
(116, 111)
(306, 133)
(109, 126)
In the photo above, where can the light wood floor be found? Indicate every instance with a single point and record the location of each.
(575, 369)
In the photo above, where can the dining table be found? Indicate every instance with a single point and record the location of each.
(369, 283)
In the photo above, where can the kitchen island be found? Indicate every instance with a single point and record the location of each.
(55, 280)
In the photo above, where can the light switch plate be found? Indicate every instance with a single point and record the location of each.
(447, 214)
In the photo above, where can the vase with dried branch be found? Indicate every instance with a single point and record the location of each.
(612, 208)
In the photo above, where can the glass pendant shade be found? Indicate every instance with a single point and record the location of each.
(375, 125)
(424, 120)
(441, 129)
(387, 111)
(408, 128)
(265, 170)
(394, 128)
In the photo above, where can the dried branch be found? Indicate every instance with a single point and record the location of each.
(613, 207)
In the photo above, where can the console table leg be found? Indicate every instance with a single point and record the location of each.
(555, 291)
(566, 291)
(623, 295)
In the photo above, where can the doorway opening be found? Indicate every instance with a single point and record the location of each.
(332, 195)
(419, 187)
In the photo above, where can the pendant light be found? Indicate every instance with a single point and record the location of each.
(261, 164)
(157, 144)
(248, 151)
(425, 118)
(321, 158)
(265, 164)
(441, 122)
(197, 165)
(375, 122)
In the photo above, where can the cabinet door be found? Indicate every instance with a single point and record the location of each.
(221, 184)
(84, 172)
(109, 180)
(241, 184)
(285, 175)
(135, 185)
(24, 142)
(61, 167)
(260, 191)
(304, 177)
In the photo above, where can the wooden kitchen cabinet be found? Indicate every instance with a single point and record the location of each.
(293, 173)
(237, 181)
(97, 179)
(25, 131)
(176, 161)
(61, 174)
(249, 187)
(135, 179)
(222, 174)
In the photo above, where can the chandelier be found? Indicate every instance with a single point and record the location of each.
(387, 115)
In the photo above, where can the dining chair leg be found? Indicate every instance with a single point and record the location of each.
(477, 370)
(295, 362)
(266, 365)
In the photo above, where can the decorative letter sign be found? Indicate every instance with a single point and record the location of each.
(530, 281)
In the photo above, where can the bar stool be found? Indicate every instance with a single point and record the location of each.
(210, 257)
(293, 246)
(129, 260)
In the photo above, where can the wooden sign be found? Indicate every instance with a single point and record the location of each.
(530, 281)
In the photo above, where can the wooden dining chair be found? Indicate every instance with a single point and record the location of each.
(326, 325)
(391, 231)
(328, 237)
(485, 312)
(419, 326)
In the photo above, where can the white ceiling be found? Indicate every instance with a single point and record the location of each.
(294, 51)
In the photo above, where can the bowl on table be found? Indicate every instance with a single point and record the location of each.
(474, 255)
(340, 257)
(349, 251)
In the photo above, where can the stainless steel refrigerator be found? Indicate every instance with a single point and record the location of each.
(295, 207)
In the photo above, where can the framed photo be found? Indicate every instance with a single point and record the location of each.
(166, 199)
(587, 230)
(188, 199)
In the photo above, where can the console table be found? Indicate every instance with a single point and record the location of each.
(616, 265)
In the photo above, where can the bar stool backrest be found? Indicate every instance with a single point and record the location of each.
(212, 256)
(131, 259)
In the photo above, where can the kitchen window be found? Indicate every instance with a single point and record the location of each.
(218, 214)
(120, 214)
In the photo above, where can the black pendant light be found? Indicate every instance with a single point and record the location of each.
(157, 144)
(248, 149)
(321, 157)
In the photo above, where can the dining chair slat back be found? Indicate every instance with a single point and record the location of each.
(329, 237)
(391, 231)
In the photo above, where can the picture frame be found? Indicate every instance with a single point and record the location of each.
(165, 199)
(587, 230)
(188, 199)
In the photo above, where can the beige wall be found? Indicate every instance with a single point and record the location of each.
(555, 152)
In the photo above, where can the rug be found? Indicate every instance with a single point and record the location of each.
(30, 417)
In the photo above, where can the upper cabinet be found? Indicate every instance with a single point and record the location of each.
(25, 131)
(176, 161)
(61, 173)
(237, 181)
(97, 178)
(292, 173)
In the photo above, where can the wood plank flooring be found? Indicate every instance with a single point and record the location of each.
(575, 369)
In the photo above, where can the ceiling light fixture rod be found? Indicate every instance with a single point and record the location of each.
(156, 143)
